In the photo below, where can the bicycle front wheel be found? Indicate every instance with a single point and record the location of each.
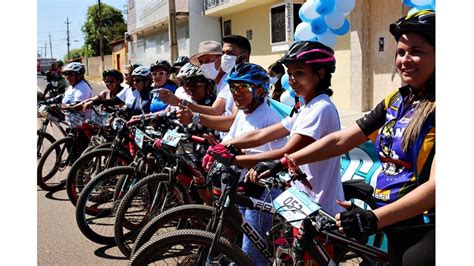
(52, 167)
(188, 247)
(98, 202)
(44, 141)
(90, 165)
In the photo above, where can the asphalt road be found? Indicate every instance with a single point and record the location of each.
(59, 240)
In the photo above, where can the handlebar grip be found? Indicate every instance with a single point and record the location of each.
(198, 139)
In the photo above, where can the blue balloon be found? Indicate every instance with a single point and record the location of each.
(318, 26)
(408, 3)
(426, 7)
(285, 81)
(342, 30)
(325, 7)
(302, 17)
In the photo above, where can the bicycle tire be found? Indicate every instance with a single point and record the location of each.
(44, 174)
(188, 238)
(96, 220)
(128, 222)
(89, 165)
(40, 147)
(191, 216)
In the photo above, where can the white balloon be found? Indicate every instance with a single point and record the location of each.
(334, 20)
(345, 6)
(421, 2)
(286, 98)
(328, 38)
(303, 31)
(309, 10)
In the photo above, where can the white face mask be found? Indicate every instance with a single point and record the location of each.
(228, 62)
(209, 70)
(273, 80)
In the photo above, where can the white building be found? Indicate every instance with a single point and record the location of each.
(148, 34)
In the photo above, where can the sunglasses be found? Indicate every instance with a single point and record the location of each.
(69, 74)
(240, 87)
(159, 73)
(137, 80)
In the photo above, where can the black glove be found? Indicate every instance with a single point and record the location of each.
(358, 222)
(274, 166)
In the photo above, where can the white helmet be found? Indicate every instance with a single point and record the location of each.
(75, 67)
(189, 70)
(141, 71)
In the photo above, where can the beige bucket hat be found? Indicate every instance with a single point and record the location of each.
(205, 48)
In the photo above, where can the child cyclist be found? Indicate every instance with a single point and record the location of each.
(310, 67)
(249, 84)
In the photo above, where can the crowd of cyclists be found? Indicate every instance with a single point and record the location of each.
(217, 88)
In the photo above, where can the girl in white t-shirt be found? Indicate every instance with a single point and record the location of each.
(310, 67)
(249, 85)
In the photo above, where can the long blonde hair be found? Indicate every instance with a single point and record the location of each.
(425, 107)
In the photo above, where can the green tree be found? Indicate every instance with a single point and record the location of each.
(74, 53)
(113, 28)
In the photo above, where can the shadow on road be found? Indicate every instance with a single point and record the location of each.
(51, 195)
(102, 252)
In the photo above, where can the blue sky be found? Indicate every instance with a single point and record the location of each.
(51, 18)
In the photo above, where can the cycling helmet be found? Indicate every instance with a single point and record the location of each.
(133, 66)
(310, 52)
(180, 61)
(189, 71)
(75, 67)
(117, 75)
(163, 64)
(141, 71)
(422, 22)
(251, 74)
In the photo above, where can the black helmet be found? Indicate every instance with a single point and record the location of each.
(310, 52)
(163, 64)
(117, 75)
(422, 22)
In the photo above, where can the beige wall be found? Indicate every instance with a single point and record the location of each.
(382, 13)
(257, 20)
(92, 65)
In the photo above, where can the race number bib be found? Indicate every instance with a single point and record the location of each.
(294, 204)
(171, 138)
(139, 138)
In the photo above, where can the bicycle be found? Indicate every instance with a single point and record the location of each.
(147, 199)
(52, 117)
(99, 200)
(158, 246)
(102, 157)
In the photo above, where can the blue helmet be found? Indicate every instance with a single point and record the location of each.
(251, 74)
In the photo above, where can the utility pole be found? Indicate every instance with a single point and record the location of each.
(50, 46)
(172, 30)
(67, 23)
(101, 44)
(45, 50)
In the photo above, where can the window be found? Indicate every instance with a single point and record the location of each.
(227, 28)
(283, 21)
(277, 18)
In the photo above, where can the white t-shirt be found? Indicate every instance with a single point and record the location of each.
(317, 119)
(77, 93)
(261, 117)
(131, 98)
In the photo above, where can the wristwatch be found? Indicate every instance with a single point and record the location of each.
(196, 118)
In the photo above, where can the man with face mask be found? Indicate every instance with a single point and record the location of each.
(216, 62)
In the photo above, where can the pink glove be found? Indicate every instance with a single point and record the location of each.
(219, 152)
